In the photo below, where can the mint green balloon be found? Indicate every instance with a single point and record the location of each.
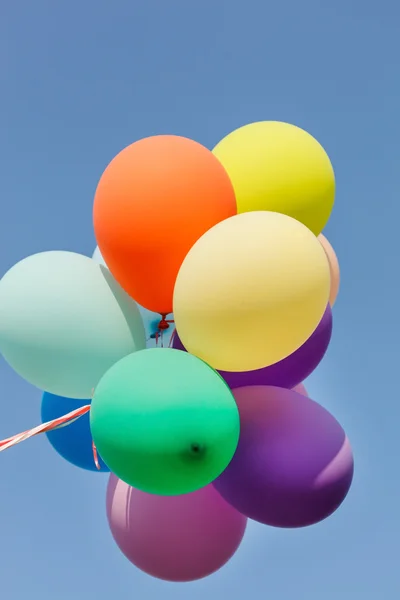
(64, 321)
(164, 422)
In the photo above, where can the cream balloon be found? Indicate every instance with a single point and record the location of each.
(334, 268)
(251, 291)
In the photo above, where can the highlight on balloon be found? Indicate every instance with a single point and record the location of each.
(176, 363)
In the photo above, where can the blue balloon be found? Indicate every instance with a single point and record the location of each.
(72, 442)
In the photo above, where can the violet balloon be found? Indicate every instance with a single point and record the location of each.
(293, 466)
(288, 372)
(175, 538)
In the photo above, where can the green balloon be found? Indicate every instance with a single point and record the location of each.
(164, 422)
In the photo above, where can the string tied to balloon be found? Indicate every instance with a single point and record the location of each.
(163, 325)
(94, 449)
(171, 339)
(95, 456)
(63, 421)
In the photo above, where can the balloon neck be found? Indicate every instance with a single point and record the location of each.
(163, 324)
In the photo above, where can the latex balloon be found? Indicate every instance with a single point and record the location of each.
(64, 321)
(300, 389)
(72, 442)
(158, 332)
(256, 302)
(279, 167)
(98, 257)
(334, 268)
(164, 422)
(288, 372)
(175, 538)
(293, 466)
(159, 184)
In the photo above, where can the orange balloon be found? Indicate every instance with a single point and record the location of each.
(333, 267)
(153, 202)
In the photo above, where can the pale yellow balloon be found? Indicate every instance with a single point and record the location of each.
(279, 167)
(334, 268)
(251, 291)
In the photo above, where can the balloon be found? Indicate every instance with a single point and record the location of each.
(288, 372)
(73, 442)
(98, 257)
(282, 168)
(293, 466)
(175, 538)
(251, 291)
(159, 184)
(300, 389)
(164, 422)
(64, 321)
(333, 267)
(155, 336)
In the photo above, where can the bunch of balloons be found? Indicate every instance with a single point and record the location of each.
(206, 304)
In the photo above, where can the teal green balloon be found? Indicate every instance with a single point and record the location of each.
(164, 422)
(64, 321)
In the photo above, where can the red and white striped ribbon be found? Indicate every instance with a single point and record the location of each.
(50, 426)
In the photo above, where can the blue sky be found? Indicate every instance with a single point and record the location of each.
(81, 80)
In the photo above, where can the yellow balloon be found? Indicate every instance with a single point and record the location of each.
(251, 291)
(279, 167)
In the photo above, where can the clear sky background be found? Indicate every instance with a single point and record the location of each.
(80, 81)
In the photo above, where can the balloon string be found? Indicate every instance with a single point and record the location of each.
(95, 456)
(63, 421)
(171, 339)
(163, 325)
(94, 449)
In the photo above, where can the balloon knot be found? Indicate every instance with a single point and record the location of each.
(163, 324)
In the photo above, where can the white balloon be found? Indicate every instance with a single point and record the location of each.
(97, 257)
(155, 338)
(64, 321)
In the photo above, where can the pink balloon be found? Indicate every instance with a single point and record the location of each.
(300, 389)
(175, 538)
(333, 268)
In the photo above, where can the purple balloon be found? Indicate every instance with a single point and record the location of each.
(290, 371)
(293, 466)
(175, 538)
